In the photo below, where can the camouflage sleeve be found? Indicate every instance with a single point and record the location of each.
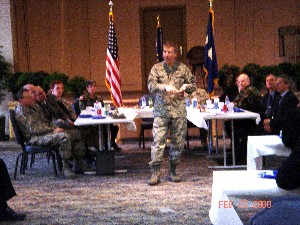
(189, 79)
(155, 85)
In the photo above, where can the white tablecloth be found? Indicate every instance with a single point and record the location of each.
(246, 186)
(264, 145)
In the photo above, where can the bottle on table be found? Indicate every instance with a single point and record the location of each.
(144, 104)
(150, 103)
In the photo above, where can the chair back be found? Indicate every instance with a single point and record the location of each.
(76, 108)
(17, 131)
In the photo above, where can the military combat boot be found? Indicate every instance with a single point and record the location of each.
(155, 173)
(67, 172)
(172, 173)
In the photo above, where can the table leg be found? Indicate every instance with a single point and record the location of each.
(210, 139)
(232, 143)
(217, 139)
(108, 136)
(224, 144)
(101, 147)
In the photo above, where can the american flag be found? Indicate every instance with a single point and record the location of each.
(210, 57)
(113, 77)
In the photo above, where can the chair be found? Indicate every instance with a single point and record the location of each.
(32, 150)
(147, 123)
(203, 136)
(76, 108)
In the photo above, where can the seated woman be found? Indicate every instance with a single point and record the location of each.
(288, 176)
(88, 98)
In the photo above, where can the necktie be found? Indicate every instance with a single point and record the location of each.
(269, 110)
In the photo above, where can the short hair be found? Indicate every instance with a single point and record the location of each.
(19, 94)
(245, 75)
(55, 82)
(89, 83)
(287, 80)
(271, 74)
(169, 44)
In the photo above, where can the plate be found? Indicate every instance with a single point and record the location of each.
(238, 110)
(85, 116)
(98, 117)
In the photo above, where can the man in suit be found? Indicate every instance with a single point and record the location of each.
(269, 102)
(288, 176)
(7, 191)
(288, 102)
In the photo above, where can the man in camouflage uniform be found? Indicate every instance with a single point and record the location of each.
(248, 98)
(169, 80)
(38, 130)
(88, 98)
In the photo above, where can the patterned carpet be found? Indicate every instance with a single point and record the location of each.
(124, 198)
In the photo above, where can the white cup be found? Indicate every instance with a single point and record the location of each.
(221, 105)
(230, 107)
(216, 100)
(208, 102)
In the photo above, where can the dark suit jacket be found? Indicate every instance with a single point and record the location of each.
(287, 104)
(7, 190)
(58, 112)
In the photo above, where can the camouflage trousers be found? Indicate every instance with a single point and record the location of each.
(70, 142)
(177, 127)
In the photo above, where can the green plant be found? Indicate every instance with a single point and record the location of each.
(227, 75)
(35, 78)
(252, 69)
(52, 77)
(5, 70)
(76, 86)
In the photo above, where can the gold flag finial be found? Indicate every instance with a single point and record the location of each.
(111, 4)
(158, 21)
(210, 3)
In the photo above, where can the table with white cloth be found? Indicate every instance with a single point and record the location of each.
(200, 118)
(258, 146)
(104, 122)
(241, 189)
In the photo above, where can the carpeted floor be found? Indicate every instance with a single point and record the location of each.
(124, 198)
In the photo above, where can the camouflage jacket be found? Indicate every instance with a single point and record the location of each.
(32, 122)
(170, 105)
(87, 100)
(201, 96)
(248, 99)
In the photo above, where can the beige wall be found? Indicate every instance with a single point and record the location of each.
(70, 36)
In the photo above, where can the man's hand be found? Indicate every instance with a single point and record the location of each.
(171, 89)
(267, 126)
(183, 87)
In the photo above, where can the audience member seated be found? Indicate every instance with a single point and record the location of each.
(7, 191)
(248, 98)
(288, 176)
(88, 98)
(287, 102)
(228, 84)
(269, 103)
(201, 96)
(37, 129)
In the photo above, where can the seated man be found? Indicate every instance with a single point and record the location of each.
(288, 176)
(88, 98)
(38, 130)
(248, 98)
(7, 191)
(288, 102)
(269, 104)
(201, 96)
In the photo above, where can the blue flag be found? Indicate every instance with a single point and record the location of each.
(159, 41)
(210, 58)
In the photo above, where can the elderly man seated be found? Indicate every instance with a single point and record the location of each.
(38, 130)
